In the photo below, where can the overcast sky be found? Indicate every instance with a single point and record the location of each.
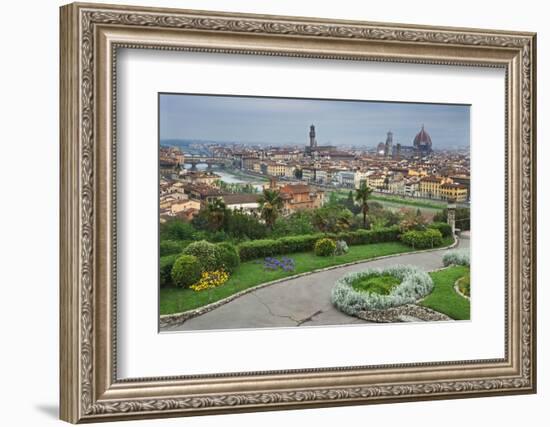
(282, 120)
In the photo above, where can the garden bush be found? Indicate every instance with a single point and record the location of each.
(414, 284)
(456, 257)
(341, 248)
(325, 247)
(422, 239)
(186, 271)
(228, 256)
(165, 269)
(208, 255)
(171, 247)
(444, 228)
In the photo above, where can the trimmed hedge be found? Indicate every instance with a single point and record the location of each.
(292, 244)
(186, 271)
(325, 247)
(428, 238)
(165, 269)
(444, 228)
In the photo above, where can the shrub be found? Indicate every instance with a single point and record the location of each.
(186, 271)
(208, 255)
(414, 284)
(228, 256)
(456, 257)
(325, 247)
(341, 247)
(422, 239)
(171, 247)
(444, 228)
(165, 269)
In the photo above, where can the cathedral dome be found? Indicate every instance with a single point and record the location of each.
(422, 140)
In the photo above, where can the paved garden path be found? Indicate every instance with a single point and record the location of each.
(303, 301)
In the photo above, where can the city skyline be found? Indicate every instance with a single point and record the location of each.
(282, 121)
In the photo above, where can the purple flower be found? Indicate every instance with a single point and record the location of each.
(285, 264)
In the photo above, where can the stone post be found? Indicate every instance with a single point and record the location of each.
(451, 210)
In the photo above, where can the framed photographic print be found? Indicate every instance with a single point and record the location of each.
(266, 212)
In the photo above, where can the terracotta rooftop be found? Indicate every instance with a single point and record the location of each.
(233, 199)
(296, 188)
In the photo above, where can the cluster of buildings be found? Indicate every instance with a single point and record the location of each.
(184, 193)
(303, 174)
(396, 169)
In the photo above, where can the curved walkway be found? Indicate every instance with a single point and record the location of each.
(303, 301)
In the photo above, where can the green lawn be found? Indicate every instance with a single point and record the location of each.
(406, 201)
(381, 284)
(444, 298)
(252, 273)
(343, 194)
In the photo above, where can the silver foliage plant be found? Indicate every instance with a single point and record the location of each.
(341, 247)
(457, 257)
(415, 284)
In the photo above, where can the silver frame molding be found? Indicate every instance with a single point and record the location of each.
(90, 37)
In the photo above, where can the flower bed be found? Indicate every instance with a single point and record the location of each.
(414, 284)
(284, 264)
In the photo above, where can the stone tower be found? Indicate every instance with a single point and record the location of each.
(389, 144)
(312, 140)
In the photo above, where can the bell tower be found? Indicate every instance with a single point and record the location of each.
(312, 140)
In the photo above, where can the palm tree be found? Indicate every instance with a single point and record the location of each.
(270, 205)
(361, 195)
(215, 213)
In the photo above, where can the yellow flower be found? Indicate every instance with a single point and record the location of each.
(210, 280)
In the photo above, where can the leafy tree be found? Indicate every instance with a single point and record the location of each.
(215, 214)
(332, 219)
(298, 174)
(298, 223)
(361, 195)
(411, 221)
(241, 225)
(176, 229)
(270, 206)
(350, 204)
(333, 199)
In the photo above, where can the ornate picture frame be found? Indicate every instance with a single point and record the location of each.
(90, 37)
